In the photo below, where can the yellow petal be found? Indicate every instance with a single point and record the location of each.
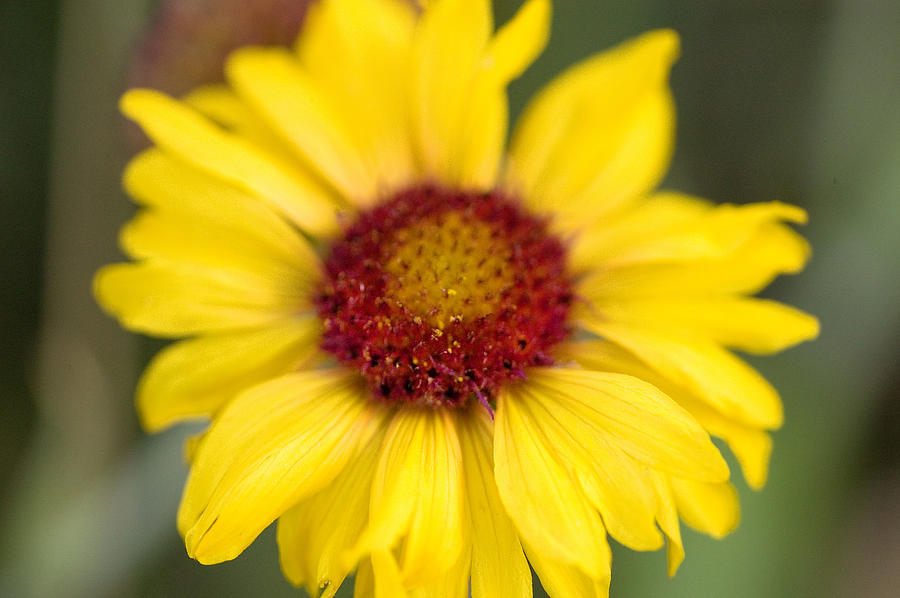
(185, 133)
(561, 580)
(640, 419)
(520, 41)
(481, 137)
(271, 447)
(667, 516)
(435, 540)
(647, 220)
(394, 490)
(774, 249)
(600, 135)
(749, 444)
(388, 582)
(612, 481)
(371, 39)
(449, 44)
(709, 508)
(752, 449)
(620, 494)
(704, 368)
(314, 535)
(201, 242)
(417, 492)
(718, 234)
(452, 584)
(223, 106)
(753, 325)
(304, 111)
(295, 555)
(499, 568)
(194, 378)
(164, 298)
(219, 103)
(159, 181)
(545, 502)
(364, 583)
(191, 444)
(671, 227)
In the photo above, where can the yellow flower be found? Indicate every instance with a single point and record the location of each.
(432, 358)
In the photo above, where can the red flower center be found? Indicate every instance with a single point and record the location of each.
(438, 296)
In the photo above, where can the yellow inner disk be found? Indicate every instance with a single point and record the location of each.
(448, 269)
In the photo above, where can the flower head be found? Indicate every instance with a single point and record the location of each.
(432, 358)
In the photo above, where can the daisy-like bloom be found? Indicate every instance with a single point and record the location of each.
(432, 358)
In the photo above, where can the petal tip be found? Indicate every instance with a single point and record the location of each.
(150, 417)
(103, 288)
(246, 57)
(813, 330)
(794, 214)
(135, 101)
(664, 42)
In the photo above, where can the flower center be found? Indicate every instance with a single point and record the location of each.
(438, 296)
(448, 268)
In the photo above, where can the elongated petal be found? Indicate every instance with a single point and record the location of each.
(388, 582)
(223, 106)
(499, 568)
(454, 583)
(610, 489)
(185, 133)
(172, 236)
(194, 378)
(671, 227)
(314, 535)
(158, 180)
(753, 448)
(297, 559)
(395, 485)
(725, 229)
(562, 580)
(649, 219)
(643, 421)
(706, 369)
(164, 298)
(520, 41)
(371, 39)
(302, 110)
(613, 482)
(271, 447)
(481, 137)
(543, 499)
(449, 45)
(754, 325)
(751, 445)
(667, 516)
(435, 538)
(774, 249)
(417, 493)
(600, 135)
(364, 582)
(709, 508)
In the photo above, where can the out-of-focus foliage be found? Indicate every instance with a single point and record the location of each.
(794, 101)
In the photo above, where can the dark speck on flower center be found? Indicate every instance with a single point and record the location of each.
(441, 296)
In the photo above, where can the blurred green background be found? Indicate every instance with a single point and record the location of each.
(791, 100)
